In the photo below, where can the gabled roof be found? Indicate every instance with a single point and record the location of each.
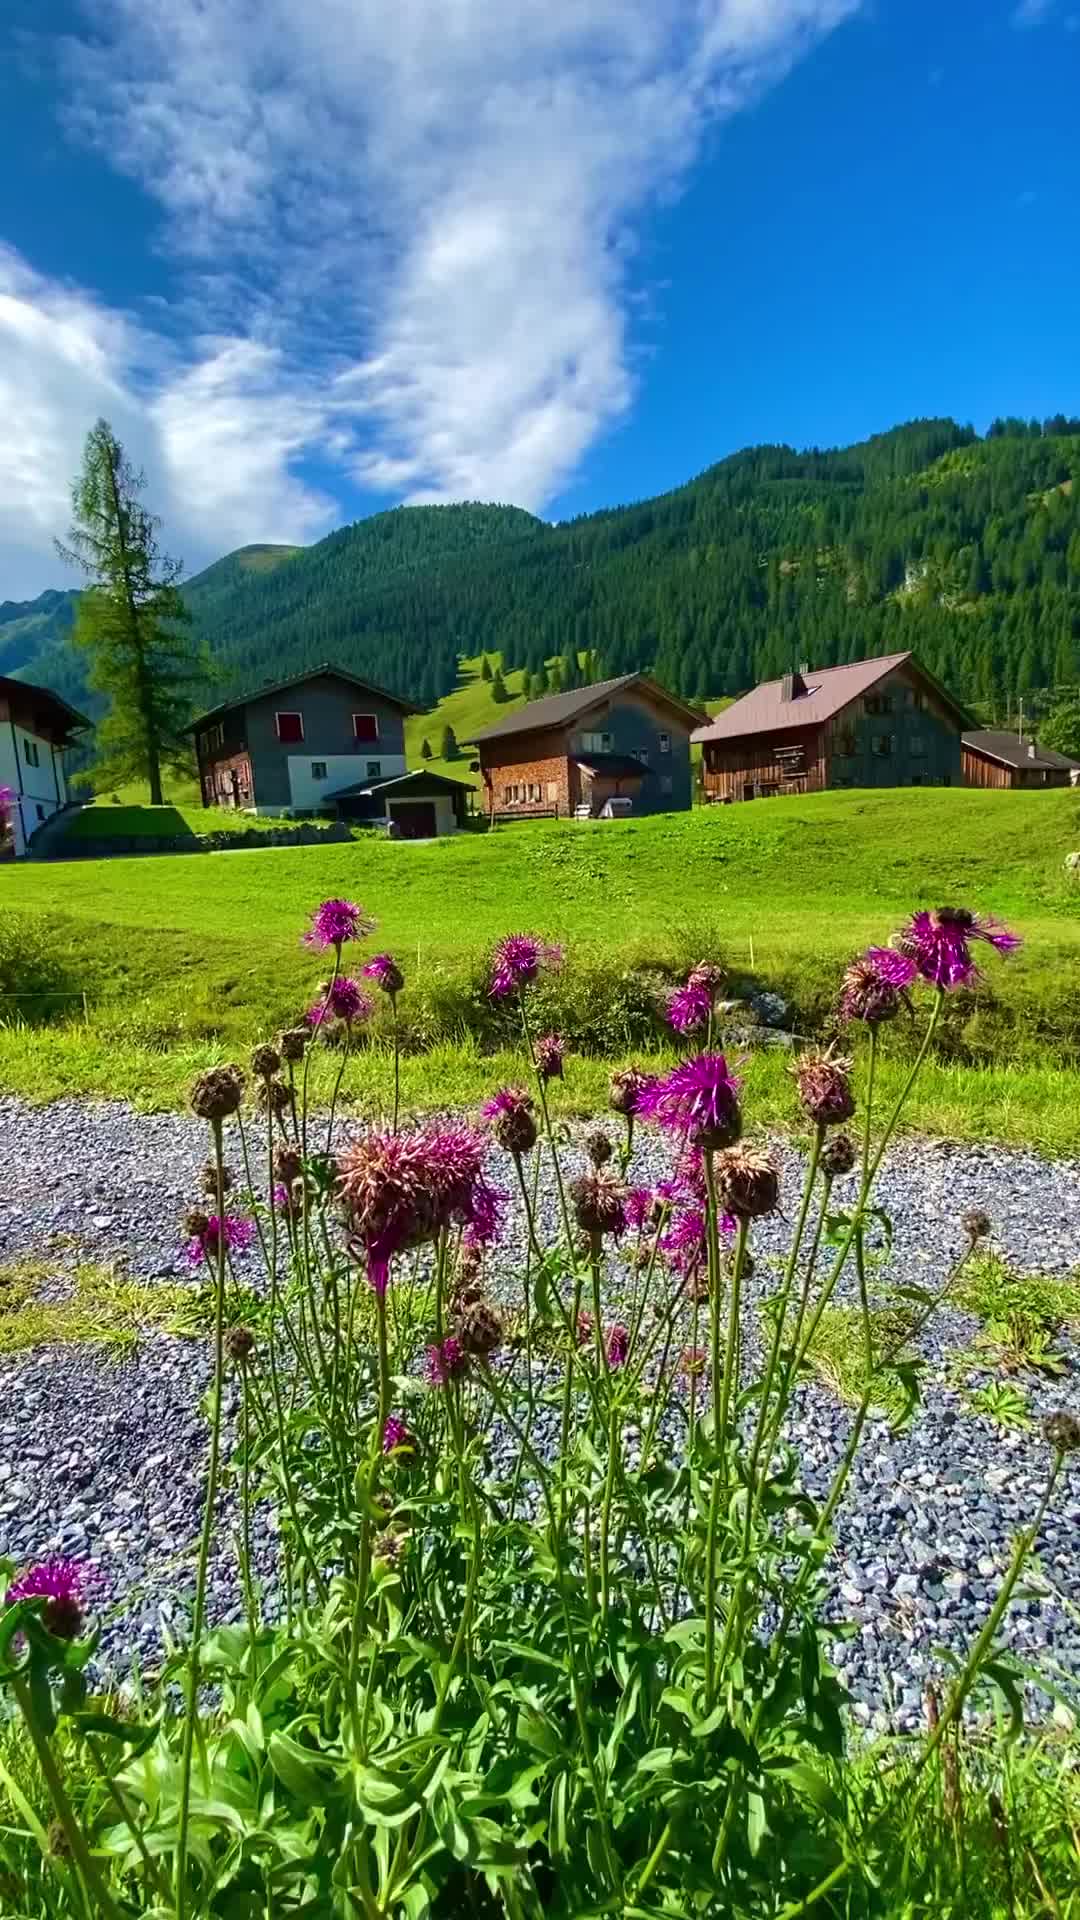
(440, 782)
(1001, 744)
(73, 721)
(325, 670)
(828, 690)
(558, 709)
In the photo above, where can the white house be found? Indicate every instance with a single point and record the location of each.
(35, 728)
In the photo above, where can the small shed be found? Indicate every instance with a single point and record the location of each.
(999, 758)
(416, 806)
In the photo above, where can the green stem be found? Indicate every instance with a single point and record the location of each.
(245, 1523)
(721, 1410)
(151, 1866)
(73, 1832)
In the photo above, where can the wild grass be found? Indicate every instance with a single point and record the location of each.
(837, 1357)
(100, 1307)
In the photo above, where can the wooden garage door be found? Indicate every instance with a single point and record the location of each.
(416, 818)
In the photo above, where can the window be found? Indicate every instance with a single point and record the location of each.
(213, 737)
(665, 743)
(374, 768)
(882, 745)
(917, 699)
(318, 769)
(878, 703)
(365, 726)
(667, 784)
(290, 727)
(596, 743)
(30, 753)
(40, 811)
(534, 792)
(917, 746)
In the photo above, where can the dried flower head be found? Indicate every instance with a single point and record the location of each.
(597, 1201)
(288, 1164)
(390, 1546)
(396, 1437)
(265, 1062)
(689, 1008)
(401, 1189)
(692, 1362)
(336, 921)
(977, 1225)
(865, 993)
(217, 1093)
(481, 1329)
(710, 975)
(550, 1053)
(517, 962)
(627, 1086)
(511, 1115)
(824, 1083)
(617, 1347)
(748, 1181)
(208, 1180)
(195, 1223)
(240, 1344)
(57, 1842)
(446, 1360)
(838, 1156)
(598, 1147)
(937, 946)
(237, 1232)
(386, 973)
(1062, 1431)
(61, 1583)
(699, 1099)
(293, 1043)
(274, 1097)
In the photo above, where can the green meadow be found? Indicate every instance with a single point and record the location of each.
(136, 971)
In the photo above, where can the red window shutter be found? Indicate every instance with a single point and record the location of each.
(290, 727)
(365, 726)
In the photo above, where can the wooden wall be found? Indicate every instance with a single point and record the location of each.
(732, 767)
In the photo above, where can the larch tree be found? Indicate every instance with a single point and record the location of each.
(131, 620)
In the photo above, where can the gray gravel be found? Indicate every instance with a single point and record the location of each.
(104, 1460)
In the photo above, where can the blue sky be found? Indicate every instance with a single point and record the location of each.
(314, 257)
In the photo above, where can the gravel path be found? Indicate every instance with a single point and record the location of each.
(104, 1460)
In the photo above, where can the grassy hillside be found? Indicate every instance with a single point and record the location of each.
(191, 958)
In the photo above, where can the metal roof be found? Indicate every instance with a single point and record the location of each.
(826, 692)
(556, 709)
(441, 781)
(296, 680)
(1014, 751)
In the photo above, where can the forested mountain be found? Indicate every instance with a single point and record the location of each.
(964, 548)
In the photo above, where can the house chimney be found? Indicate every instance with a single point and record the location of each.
(1031, 749)
(791, 686)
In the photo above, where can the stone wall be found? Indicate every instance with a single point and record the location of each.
(306, 835)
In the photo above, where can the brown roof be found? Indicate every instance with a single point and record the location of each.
(828, 690)
(71, 718)
(557, 709)
(1003, 745)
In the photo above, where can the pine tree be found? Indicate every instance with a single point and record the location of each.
(540, 682)
(425, 749)
(527, 684)
(131, 620)
(498, 688)
(449, 749)
(485, 668)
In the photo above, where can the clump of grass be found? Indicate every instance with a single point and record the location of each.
(105, 1308)
(837, 1357)
(1022, 1314)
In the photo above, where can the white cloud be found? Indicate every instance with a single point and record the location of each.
(402, 232)
(1032, 13)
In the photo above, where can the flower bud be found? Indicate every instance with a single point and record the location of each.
(597, 1201)
(265, 1062)
(240, 1344)
(748, 1182)
(480, 1329)
(293, 1042)
(1062, 1431)
(208, 1180)
(217, 1093)
(824, 1084)
(977, 1225)
(598, 1147)
(838, 1156)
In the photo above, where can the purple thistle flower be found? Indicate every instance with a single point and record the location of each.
(639, 1207)
(61, 1584)
(485, 1216)
(689, 1008)
(400, 1190)
(618, 1347)
(239, 1233)
(550, 1052)
(684, 1244)
(396, 1434)
(937, 945)
(894, 968)
(336, 921)
(516, 963)
(343, 999)
(698, 1099)
(384, 969)
(445, 1361)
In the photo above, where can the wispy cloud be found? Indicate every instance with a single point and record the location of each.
(403, 231)
(1032, 13)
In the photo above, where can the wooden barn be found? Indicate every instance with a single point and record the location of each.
(1005, 759)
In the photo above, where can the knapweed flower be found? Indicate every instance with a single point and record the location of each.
(868, 994)
(236, 1231)
(684, 1245)
(217, 1093)
(692, 1362)
(343, 999)
(265, 1062)
(597, 1202)
(401, 1189)
(336, 921)
(7, 802)
(640, 1207)
(824, 1083)
(240, 1344)
(977, 1225)
(293, 1043)
(481, 1329)
(550, 1053)
(748, 1181)
(838, 1156)
(510, 1113)
(61, 1583)
(699, 1099)
(517, 961)
(396, 1435)
(617, 1347)
(598, 1147)
(1062, 1430)
(288, 1200)
(627, 1086)
(386, 973)
(446, 1360)
(584, 1329)
(708, 976)
(487, 1205)
(689, 1008)
(937, 945)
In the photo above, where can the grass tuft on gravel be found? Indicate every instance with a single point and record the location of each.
(104, 1308)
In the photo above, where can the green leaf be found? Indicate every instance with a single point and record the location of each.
(307, 1776)
(557, 1818)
